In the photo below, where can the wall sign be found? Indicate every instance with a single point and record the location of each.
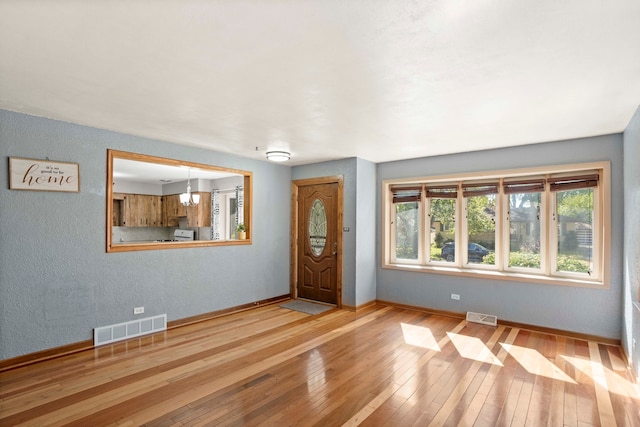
(43, 175)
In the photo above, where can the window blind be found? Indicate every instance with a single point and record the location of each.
(470, 190)
(404, 194)
(443, 191)
(524, 186)
(573, 182)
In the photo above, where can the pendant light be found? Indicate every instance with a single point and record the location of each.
(188, 199)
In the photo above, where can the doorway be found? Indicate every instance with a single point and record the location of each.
(316, 239)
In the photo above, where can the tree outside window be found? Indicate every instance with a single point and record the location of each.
(407, 223)
(574, 211)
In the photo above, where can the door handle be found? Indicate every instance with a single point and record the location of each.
(335, 248)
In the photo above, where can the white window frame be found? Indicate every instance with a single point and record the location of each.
(420, 236)
(543, 237)
(600, 274)
(465, 236)
(225, 205)
(595, 244)
(427, 220)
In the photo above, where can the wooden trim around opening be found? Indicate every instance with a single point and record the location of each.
(293, 270)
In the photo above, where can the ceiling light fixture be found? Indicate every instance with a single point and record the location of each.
(188, 199)
(278, 156)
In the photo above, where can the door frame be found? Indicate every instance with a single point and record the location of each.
(293, 279)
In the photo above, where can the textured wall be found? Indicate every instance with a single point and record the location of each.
(366, 259)
(631, 325)
(591, 311)
(56, 280)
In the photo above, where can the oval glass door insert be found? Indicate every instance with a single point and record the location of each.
(317, 227)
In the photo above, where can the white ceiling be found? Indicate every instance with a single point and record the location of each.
(327, 79)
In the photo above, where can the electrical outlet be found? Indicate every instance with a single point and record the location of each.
(138, 310)
(455, 297)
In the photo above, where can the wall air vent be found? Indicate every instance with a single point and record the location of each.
(485, 319)
(134, 328)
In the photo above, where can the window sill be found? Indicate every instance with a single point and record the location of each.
(139, 246)
(499, 275)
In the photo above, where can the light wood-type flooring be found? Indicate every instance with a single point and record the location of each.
(382, 366)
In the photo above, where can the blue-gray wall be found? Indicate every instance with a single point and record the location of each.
(366, 259)
(56, 280)
(631, 261)
(591, 311)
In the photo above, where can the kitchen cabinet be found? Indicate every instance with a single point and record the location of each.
(141, 210)
(197, 216)
(118, 209)
(200, 215)
(137, 210)
(172, 210)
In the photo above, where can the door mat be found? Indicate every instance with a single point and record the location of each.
(306, 306)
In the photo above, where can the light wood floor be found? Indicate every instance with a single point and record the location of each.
(382, 366)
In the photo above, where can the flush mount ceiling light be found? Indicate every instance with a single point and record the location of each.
(278, 156)
(188, 199)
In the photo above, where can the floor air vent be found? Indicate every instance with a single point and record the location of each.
(131, 329)
(485, 319)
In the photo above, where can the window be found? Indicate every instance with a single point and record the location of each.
(480, 222)
(524, 205)
(537, 224)
(406, 222)
(442, 207)
(149, 179)
(230, 209)
(573, 236)
(226, 212)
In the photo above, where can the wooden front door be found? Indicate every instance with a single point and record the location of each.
(319, 241)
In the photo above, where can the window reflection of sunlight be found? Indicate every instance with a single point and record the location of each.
(606, 377)
(419, 336)
(535, 363)
(473, 348)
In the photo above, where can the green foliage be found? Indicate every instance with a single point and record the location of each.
(530, 260)
(524, 260)
(406, 207)
(443, 211)
(439, 240)
(576, 204)
(436, 253)
(490, 258)
(241, 227)
(571, 263)
(480, 214)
